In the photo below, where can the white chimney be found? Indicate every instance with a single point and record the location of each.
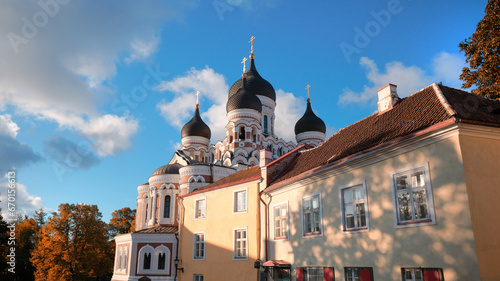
(387, 97)
(266, 156)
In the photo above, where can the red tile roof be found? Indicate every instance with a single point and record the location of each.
(158, 230)
(428, 107)
(242, 176)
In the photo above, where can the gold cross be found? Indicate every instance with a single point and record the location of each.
(251, 41)
(244, 65)
(307, 88)
(197, 97)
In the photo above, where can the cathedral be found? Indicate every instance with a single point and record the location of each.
(151, 251)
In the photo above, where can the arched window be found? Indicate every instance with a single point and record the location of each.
(119, 262)
(161, 261)
(147, 261)
(166, 207)
(242, 133)
(254, 135)
(265, 124)
(146, 216)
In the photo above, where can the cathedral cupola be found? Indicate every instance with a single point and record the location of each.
(196, 127)
(310, 129)
(196, 136)
(244, 98)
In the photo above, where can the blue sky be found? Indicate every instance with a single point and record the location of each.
(93, 93)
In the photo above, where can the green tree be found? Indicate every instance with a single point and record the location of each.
(122, 221)
(73, 245)
(482, 52)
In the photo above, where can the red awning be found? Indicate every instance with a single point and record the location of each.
(277, 263)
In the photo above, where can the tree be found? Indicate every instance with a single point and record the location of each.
(482, 52)
(122, 221)
(4, 248)
(26, 230)
(73, 245)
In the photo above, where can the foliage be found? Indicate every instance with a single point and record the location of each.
(122, 221)
(26, 230)
(482, 52)
(73, 245)
(3, 248)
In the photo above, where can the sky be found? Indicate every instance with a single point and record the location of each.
(93, 94)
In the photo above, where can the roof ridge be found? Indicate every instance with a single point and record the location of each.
(443, 100)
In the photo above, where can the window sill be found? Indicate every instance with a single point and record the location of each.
(310, 235)
(415, 223)
(354, 230)
(281, 239)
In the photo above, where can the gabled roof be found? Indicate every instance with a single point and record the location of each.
(431, 107)
(243, 176)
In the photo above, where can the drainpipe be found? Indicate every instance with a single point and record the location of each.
(179, 232)
(266, 213)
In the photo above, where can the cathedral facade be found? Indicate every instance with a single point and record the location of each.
(151, 252)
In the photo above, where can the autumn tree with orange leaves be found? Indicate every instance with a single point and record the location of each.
(73, 245)
(122, 221)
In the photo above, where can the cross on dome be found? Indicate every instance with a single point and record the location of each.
(307, 88)
(251, 42)
(197, 98)
(244, 64)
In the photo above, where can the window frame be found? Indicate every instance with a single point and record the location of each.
(302, 273)
(196, 217)
(312, 234)
(165, 210)
(287, 230)
(359, 268)
(239, 258)
(342, 189)
(235, 201)
(195, 257)
(196, 277)
(428, 195)
(423, 270)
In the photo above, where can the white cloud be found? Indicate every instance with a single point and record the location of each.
(59, 60)
(25, 203)
(409, 79)
(213, 90)
(288, 111)
(8, 127)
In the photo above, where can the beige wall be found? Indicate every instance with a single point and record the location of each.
(449, 244)
(218, 228)
(482, 173)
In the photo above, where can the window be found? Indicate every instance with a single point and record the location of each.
(161, 261)
(240, 201)
(199, 209)
(240, 244)
(315, 274)
(412, 193)
(265, 124)
(422, 274)
(241, 136)
(358, 274)
(146, 215)
(197, 277)
(311, 215)
(354, 207)
(198, 246)
(147, 261)
(281, 221)
(166, 207)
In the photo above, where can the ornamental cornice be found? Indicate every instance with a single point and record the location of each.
(169, 178)
(194, 170)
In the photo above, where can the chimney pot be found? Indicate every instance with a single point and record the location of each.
(266, 156)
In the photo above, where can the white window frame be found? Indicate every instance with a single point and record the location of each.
(235, 201)
(195, 257)
(198, 277)
(196, 217)
(307, 273)
(342, 189)
(281, 205)
(238, 258)
(428, 195)
(146, 249)
(162, 249)
(304, 234)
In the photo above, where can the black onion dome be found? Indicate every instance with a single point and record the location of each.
(309, 122)
(196, 127)
(168, 169)
(244, 99)
(255, 83)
